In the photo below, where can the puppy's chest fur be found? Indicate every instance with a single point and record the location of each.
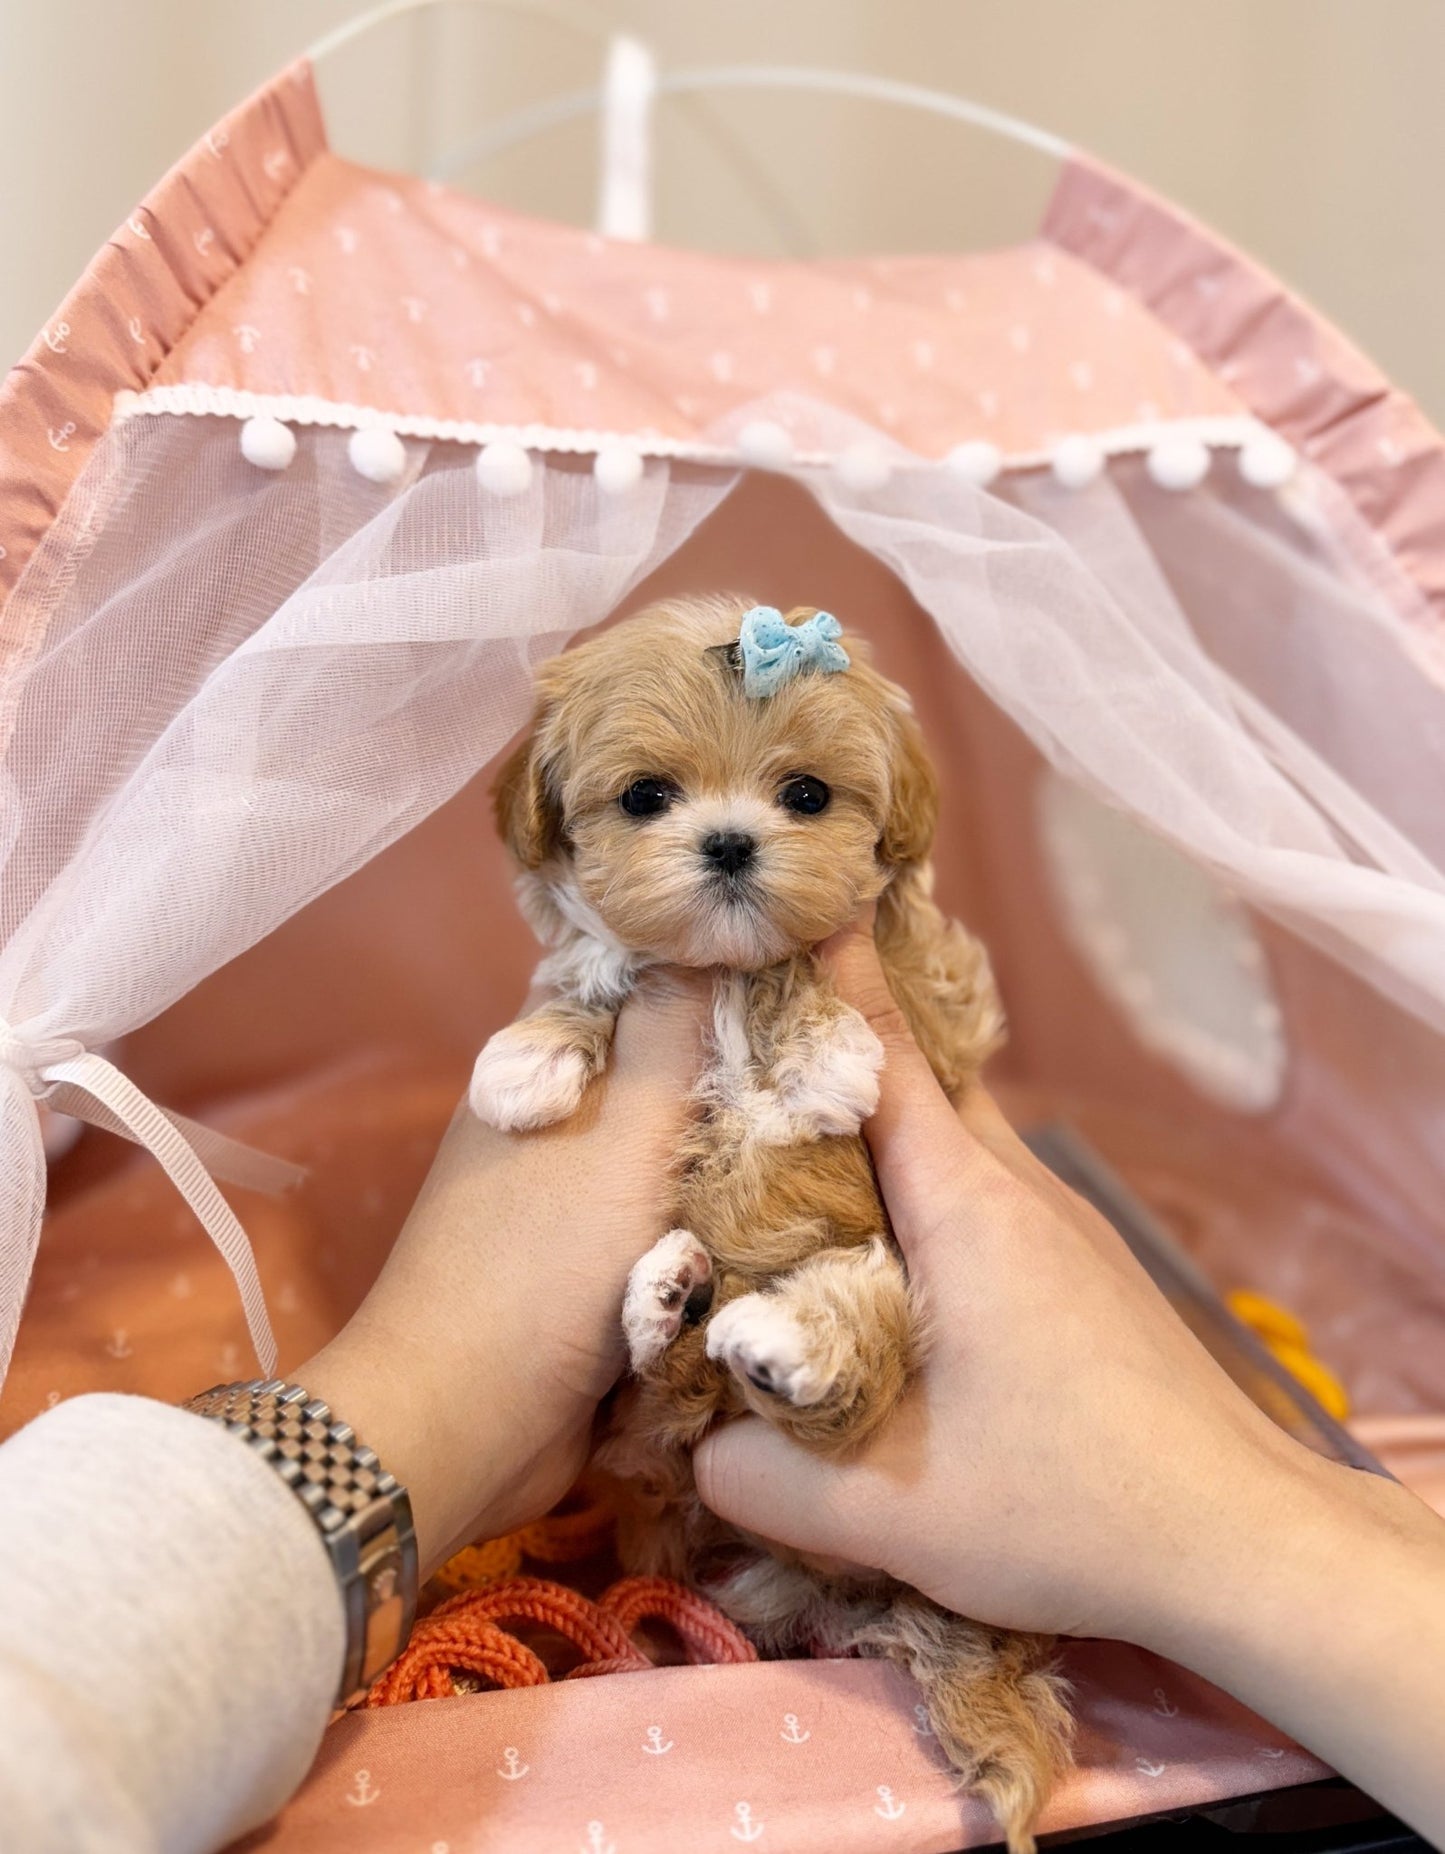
(774, 1168)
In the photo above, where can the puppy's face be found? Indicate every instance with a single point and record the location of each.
(702, 827)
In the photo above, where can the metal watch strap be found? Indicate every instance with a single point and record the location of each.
(362, 1512)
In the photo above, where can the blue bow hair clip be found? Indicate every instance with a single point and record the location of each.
(772, 651)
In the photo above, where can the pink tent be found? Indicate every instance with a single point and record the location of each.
(315, 465)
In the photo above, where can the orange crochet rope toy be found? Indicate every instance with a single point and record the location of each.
(464, 1635)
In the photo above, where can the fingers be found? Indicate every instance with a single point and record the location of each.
(749, 1473)
(926, 1160)
(659, 1031)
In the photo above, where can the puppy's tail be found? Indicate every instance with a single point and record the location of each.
(996, 1704)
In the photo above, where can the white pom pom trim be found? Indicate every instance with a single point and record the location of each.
(504, 468)
(976, 461)
(267, 443)
(618, 469)
(864, 467)
(1266, 461)
(1077, 461)
(378, 455)
(764, 444)
(1178, 462)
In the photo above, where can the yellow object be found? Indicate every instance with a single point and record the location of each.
(1289, 1340)
(1318, 1379)
(1267, 1318)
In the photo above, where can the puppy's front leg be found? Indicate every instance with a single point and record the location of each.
(826, 1351)
(824, 1078)
(532, 1074)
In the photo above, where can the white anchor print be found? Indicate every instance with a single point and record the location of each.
(659, 304)
(824, 360)
(587, 375)
(1082, 375)
(460, 259)
(792, 1733)
(300, 279)
(347, 240)
(247, 336)
(1273, 1752)
(886, 1805)
(51, 1399)
(288, 1300)
(216, 141)
(920, 1722)
(514, 1767)
(1044, 272)
(1106, 218)
(761, 296)
(686, 405)
(745, 1828)
(1306, 371)
(597, 1842)
(720, 366)
(137, 330)
(60, 436)
(862, 299)
(491, 242)
(923, 355)
(1020, 338)
(361, 1794)
(181, 1286)
(393, 201)
(1146, 1767)
(275, 164)
(1163, 1705)
(594, 244)
(552, 302)
(228, 1358)
(654, 1746)
(362, 356)
(138, 226)
(988, 403)
(955, 301)
(56, 338)
(1114, 302)
(415, 307)
(204, 239)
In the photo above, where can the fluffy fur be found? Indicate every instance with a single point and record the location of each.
(780, 1290)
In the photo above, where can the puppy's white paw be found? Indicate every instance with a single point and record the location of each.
(765, 1345)
(526, 1078)
(829, 1087)
(674, 1276)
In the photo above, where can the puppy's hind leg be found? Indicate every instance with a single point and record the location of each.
(826, 1351)
(671, 1284)
(995, 1703)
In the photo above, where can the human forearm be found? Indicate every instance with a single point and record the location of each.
(1326, 1613)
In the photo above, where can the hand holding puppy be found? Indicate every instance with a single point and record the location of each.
(1070, 1460)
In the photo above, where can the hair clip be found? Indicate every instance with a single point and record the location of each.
(770, 652)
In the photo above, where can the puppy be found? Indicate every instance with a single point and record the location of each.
(709, 785)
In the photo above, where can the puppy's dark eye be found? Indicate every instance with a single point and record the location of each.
(805, 794)
(644, 798)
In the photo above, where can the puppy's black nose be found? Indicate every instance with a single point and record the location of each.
(729, 850)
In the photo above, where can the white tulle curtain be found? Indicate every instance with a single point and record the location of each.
(1057, 603)
(234, 687)
(240, 687)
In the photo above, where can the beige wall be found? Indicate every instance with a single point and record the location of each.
(1308, 130)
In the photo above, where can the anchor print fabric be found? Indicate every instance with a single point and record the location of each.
(830, 1757)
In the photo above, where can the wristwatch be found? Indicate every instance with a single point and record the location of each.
(362, 1512)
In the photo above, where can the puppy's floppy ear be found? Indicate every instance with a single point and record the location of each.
(912, 815)
(528, 813)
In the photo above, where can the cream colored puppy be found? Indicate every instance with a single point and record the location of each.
(709, 785)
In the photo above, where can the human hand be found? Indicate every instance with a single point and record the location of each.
(475, 1365)
(1070, 1459)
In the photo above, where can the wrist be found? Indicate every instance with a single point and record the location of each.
(423, 1420)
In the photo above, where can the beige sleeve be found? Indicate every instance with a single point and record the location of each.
(171, 1634)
